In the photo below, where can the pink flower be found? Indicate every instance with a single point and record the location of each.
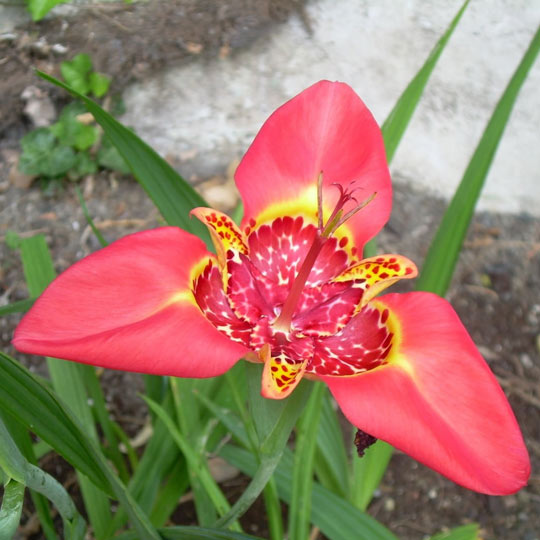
(289, 288)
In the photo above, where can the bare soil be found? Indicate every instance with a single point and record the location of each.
(496, 288)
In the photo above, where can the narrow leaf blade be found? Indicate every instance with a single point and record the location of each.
(444, 251)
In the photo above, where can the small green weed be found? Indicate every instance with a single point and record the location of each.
(74, 146)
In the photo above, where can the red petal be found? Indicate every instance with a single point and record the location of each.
(129, 306)
(325, 128)
(437, 400)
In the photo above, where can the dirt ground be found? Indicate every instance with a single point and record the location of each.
(496, 289)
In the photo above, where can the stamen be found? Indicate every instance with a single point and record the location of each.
(351, 213)
(324, 232)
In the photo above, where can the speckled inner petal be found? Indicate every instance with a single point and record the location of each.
(363, 344)
(279, 248)
(209, 294)
(331, 331)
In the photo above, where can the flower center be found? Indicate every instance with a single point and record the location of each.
(324, 231)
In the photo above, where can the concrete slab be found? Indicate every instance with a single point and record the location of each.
(216, 108)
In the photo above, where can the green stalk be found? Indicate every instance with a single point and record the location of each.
(273, 510)
(304, 456)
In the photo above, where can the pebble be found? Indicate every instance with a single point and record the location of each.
(389, 504)
(59, 49)
(526, 361)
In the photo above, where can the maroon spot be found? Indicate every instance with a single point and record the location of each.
(408, 270)
(368, 276)
(285, 368)
(386, 352)
(375, 269)
(379, 259)
(230, 254)
(384, 316)
(384, 275)
(274, 368)
(279, 383)
(221, 235)
(252, 222)
(397, 268)
(343, 242)
(392, 260)
(284, 378)
(354, 250)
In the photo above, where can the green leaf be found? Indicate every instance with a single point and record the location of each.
(399, 117)
(337, 518)
(195, 463)
(12, 462)
(11, 509)
(67, 378)
(109, 157)
(36, 147)
(392, 130)
(89, 219)
(368, 472)
(75, 72)
(173, 196)
(274, 420)
(304, 454)
(12, 239)
(332, 455)
(444, 250)
(70, 132)
(84, 165)
(465, 532)
(61, 160)
(27, 474)
(17, 307)
(167, 500)
(22, 439)
(36, 407)
(99, 84)
(39, 8)
(192, 533)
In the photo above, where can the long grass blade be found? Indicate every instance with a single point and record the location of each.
(444, 251)
(336, 517)
(397, 121)
(393, 129)
(17, 307)
(304, 455)
(192, 533)
(194, 462)
(67, 378)
(331, 459)
(465, 532)
(11, 508)
(21, 395)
